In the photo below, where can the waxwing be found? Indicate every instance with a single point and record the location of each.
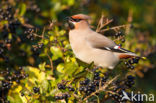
(90, 46)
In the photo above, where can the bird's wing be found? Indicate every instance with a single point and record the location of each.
(99, 41)
(116, 49)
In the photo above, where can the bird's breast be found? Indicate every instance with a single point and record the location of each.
(78, 44)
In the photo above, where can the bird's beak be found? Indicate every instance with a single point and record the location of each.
(70, 24)
(68, 18)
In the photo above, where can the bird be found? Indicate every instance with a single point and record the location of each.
(90, 46)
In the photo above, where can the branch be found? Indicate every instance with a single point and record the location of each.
(103, 22)
(115, 28)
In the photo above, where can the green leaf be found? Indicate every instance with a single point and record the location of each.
(14, 98)
(70, 68)
(60, 68)
(71, 2)
(57, 53)
(42, 66)
(44, 86)
(1, 78)
(22, 9)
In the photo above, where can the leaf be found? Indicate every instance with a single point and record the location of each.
(71, 2)
(22, 9)
(44, 86)
(1, 78)
(51, 38)
(57, 53)
(35, 74)
(60, 68)
(70, 69)
(81, 74)
(42, 66)
(14, 98)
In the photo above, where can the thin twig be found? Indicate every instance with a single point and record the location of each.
(77, 97)
(114, 28)
(51, 24)
(51, 62)
(26, 99)
(43, 32)
(103, 22)
(37, 35)
(107, 22)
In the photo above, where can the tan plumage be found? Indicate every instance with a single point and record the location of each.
(90, 46)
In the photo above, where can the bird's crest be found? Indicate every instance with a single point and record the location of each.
(81, 16)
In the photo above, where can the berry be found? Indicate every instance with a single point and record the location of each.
(61, 86)
(85, 82)
(57, 97)
(131, 61)
(120, 45)
(126, 63)
(96, 74)
(123, 40)
(119, 33)
(104, 79)
(97, 83)
(65, 95)
(71, 89)
(81, 88)
(40, 45)
(20, 68)
(135, 60)
(130, 77)
(97, 78)
(132, 67)
(17, 81)
(36, 90)
(22, 94)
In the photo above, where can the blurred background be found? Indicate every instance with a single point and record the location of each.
(141, 14)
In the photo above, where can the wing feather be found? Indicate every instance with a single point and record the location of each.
(99, 41)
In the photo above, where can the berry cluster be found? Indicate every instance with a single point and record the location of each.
(62, 96)
(130, 81)
(29, 33)
(36, 49)
(61, 86)
(36, 90)
(120, 36)
(130, 62)
(87, 86)
(6, 13)
(119, 87)
(33, 7)
(13, 36)
(10, 36)
(9, 78)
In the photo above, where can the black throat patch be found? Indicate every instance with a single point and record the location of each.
(71, 25)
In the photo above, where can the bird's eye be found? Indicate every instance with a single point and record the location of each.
(77, 20)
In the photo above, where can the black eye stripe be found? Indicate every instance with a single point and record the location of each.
(76, 20)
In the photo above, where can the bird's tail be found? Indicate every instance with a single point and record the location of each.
(130, 55)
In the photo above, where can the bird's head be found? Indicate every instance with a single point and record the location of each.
(78, 21)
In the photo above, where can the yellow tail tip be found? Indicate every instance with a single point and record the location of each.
(143, 58)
